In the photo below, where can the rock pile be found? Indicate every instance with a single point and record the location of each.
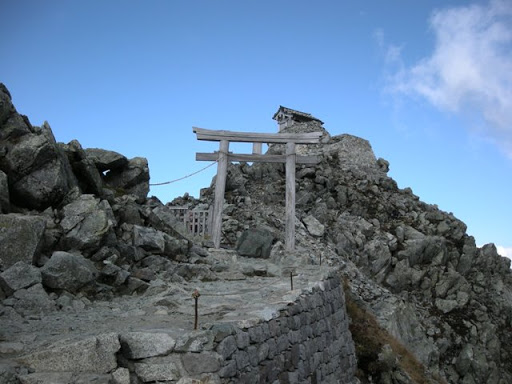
(77, 230)
(95, 277)
(74, 220)
(410, 264)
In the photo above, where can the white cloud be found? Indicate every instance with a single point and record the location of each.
(505, 252)
(470, 68)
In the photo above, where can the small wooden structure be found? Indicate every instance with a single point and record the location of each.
(223, 156)
(195, 220)
(286, 117)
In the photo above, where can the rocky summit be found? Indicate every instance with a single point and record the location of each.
(101, 283)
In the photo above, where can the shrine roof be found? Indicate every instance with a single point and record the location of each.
(294, 112)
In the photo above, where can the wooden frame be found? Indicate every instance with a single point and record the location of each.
(223, 156)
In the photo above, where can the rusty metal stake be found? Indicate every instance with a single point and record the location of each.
(291, 279)
(196, 295)
(320, 259)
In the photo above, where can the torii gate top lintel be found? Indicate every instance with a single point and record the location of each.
(253, 137)
(223, 157)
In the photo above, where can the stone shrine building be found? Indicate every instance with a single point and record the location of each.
(286, 117)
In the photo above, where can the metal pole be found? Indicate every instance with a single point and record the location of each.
(196, 295)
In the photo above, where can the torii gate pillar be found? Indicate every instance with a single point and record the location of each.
(220, 188)
(290, 197)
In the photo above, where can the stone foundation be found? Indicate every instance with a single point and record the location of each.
(251, 331)
(307, 341)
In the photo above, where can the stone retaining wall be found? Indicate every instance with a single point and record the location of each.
(307, 341)
(302, 336)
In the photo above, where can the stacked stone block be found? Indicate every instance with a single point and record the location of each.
(305, 341)
(309, 342)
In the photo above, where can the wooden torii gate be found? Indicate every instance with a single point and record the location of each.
(223, 156)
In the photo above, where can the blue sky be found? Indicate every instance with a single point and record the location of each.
(428, 83)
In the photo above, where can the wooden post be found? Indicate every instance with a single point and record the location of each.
(220, 187)
(290, 197)
(257, 148)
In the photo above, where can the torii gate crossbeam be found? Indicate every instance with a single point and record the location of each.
(224, 157)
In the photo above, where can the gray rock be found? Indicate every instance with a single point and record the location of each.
(314, 227)
(47, 377)
(206, 362)
(156, 372)
(255, 242)
(464, 359)
(379, 257)
(113, 275)
(68, 271)
(140, 345)
(353, 152)
(196, 341)
(106, 160)
(40, 174)
(174, 246)
(20, 275)
(85, 224)
(195, 272)
(14, 127)
(227, 347)
(121, 376)
(9, 373)
(65, 378)
(133, 178)
(4, 194)
(446, 306)
(92, 354)
(20, 238)
(88, 177)
(428, 249)
(149, 239)
(41, 188)
(33, 301)
(6, 107)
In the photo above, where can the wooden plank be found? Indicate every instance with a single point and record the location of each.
(290, 197)
(253, 137)
(220, 187)
(252, 158)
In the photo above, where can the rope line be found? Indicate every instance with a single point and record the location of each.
(185, 177)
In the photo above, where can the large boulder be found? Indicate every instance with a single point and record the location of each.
(149, 239)
(255, 242)
(85, 222)
(314, 227)
(38, 171)
(106, 160)
(84, 168)
(20, 275)
(94, 354)
(32, 301)
(12, 124)
(20, 238)
(133, 178)
(68, 271)
(141, 345)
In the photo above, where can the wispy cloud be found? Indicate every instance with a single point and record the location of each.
(469, 70)
(506, 252)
